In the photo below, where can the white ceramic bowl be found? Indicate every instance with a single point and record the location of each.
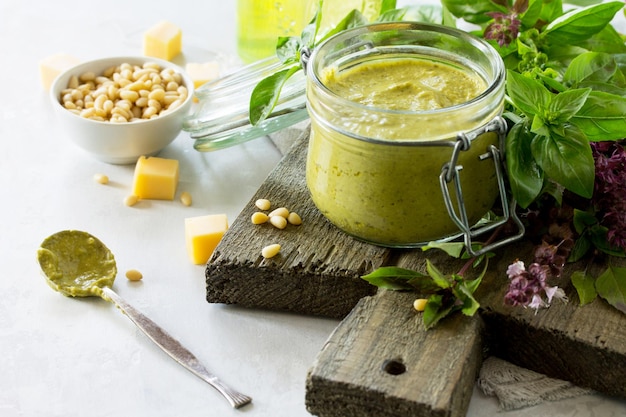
(120, 143)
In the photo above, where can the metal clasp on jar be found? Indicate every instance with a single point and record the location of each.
(450, 173)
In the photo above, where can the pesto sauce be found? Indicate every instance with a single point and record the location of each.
(76, 263)
(386, 194)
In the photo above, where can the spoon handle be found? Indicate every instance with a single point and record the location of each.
(173, 348)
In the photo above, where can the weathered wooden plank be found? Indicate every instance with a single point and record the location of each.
(318, 273)
(585, 345)
(381, 362)
(318, 269)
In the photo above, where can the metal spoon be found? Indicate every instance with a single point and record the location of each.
(77, 264)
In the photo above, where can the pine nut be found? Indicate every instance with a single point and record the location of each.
(101, 179)
(278, 221)
(281, 211)
(294, 218)
(259, 218)
(263, 204)
(133, 275)
(420, 304)
(270, 251)
(185, 198)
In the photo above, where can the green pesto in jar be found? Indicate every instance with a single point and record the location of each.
(405, 84)
(388, 194)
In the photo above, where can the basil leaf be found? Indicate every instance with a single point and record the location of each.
(611, 286)
(583, 220)
(528, 95)
(288, 49)
(580, 24)
(525, 176)
(401, 279)
(580, 249)
(566, 104)
(438, 277)
(436, 309)
(474, 11)
(590, 66)
(266, 93)
(585, 287)
(309, 33)
(607, 40)
(424, 13)
(602, 117)
(531, 16)
(453, 249)
(352, 20)
(567, 159)
(469, 305)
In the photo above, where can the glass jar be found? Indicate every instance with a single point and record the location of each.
(403, 178)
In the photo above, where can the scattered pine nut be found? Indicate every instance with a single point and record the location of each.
(259, 218)
(185, 198)
(294, 218)
(131, 200)
(420, 304)
(101, 179)
(281, 211)
(133, 275)
(278, 221)
(263, 204)
(270, 251)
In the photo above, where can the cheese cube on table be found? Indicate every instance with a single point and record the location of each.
(52, 66)
(163, 40)
(155, 178)
(202, 73)
(202, 234)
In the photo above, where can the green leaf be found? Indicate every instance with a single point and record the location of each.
(454, 249)
(528, 95)
(580, 249)
(288, 49)
(602, 117)
(525, 176)
(583, 220)
(438, 277)
(469, 305)
(393, 278)
(585, 287)
(590, 66)
(423, 13)
(352, 20)
(566, 104)
(581, 24)
(611, 286)
(472, 11)
(532, 14)
(436, 310)
(266, 93)
(567, 159)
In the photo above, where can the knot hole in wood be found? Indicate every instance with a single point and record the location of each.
(394, 367)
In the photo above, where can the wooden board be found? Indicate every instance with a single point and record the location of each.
(318, 273)
(381, 362)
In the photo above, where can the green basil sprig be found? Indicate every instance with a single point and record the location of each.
(266, 93)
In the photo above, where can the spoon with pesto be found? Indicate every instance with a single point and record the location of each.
(77, 264)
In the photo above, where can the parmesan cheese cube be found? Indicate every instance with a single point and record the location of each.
(52, 66)
(202, 234)
(202, 73)
(163, 40)
(155, 178)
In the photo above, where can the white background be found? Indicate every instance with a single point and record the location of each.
(66, 357)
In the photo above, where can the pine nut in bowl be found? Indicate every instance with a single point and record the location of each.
(118, 109)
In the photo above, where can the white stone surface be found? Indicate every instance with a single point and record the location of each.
(81, 357)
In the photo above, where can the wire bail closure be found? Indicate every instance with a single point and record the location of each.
(450, 172)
